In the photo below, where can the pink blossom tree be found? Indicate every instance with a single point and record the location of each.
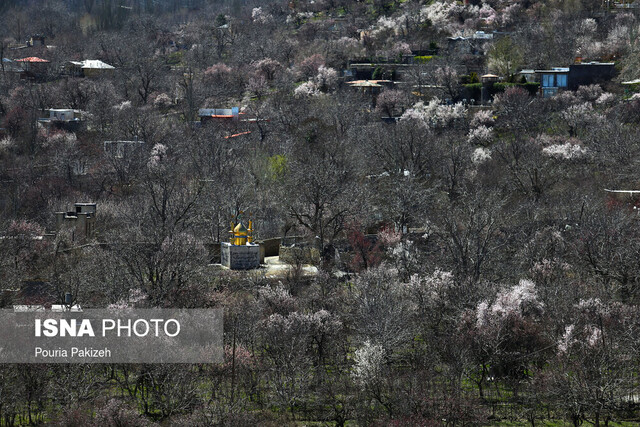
(309, 66)
(593, 369)
(389, 101)
(506, 335)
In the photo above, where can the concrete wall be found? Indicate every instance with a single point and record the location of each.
(245, 257)
(83, 219)
(304, 255)
(271, 246)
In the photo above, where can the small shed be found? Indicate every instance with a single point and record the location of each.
(488, 81)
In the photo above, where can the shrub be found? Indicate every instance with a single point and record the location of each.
(531, 88)
(473, 90)
(422, 59)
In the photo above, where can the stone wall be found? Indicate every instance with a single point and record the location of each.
(214, 252)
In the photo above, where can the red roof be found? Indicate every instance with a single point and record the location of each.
(237, 134)
(31, 59)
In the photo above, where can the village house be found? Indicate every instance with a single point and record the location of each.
(477, 44)
(372, 87)
(36, 40)
(11, 68)
(33, 67)
(557, 79)
(81, 220)
(234, 122)
(62, 118)
(219, 114)
(89, 68)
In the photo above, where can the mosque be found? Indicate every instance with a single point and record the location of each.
(240, 253)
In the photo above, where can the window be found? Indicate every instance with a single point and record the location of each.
(547, 80)
(561, 80)
(79, 167)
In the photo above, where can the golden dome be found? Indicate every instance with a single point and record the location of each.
(240, 229)
(240, 234)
